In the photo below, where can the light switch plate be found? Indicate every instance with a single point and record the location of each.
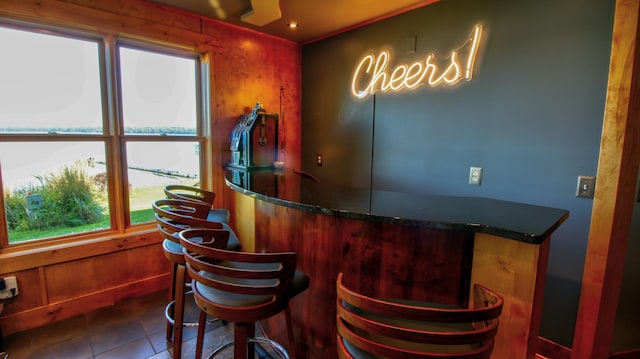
(586, 186)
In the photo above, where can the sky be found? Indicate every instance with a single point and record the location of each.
(49, 81)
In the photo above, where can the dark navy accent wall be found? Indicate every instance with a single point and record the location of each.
(531, 117)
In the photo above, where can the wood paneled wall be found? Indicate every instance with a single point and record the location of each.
(248, 68)
(56, 282)
(68, 280)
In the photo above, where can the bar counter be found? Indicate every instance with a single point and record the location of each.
(391, 244)
(518, 221)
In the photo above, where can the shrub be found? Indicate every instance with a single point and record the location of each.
(70, 198)
(16, 209)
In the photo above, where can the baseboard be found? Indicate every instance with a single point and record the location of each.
(53, 312)
(551, 350)
(627, 354)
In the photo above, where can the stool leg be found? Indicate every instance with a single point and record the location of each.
(292, 342)
(178, 311)
(172, 297)
(251, 346)
(240, 337)
(202, 319)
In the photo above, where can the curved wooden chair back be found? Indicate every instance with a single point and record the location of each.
(374, 328)
(173, 216)
(185, 213)
(262, 279)
(188, 193)
(169, 228)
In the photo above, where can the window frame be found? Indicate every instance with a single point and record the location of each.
(113, 136)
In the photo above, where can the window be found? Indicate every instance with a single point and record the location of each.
(159, 100)
(85, 148)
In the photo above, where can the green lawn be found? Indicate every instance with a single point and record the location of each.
(140, 216)
(141, 212)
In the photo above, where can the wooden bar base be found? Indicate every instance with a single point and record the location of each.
(517, 271)
(400, 261)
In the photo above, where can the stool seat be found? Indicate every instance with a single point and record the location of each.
(219, 215)
(299, 284)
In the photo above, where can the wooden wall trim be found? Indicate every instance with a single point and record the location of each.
(132, 19)
(614, 195)
(73, 282)
(28, 257)
(549, 349)
(36, 317)
(552, 350)
(628, 354)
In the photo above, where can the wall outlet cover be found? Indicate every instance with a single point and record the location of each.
(10, 283)
(475, 176)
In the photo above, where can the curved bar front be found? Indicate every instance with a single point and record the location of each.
(400, 245)
(518, 221)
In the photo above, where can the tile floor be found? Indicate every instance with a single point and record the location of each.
(132, 329)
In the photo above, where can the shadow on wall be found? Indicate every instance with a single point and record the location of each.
(626, 334)
(561, 298)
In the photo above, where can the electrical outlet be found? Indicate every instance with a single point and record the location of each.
(475, 176)
(586, 186)
(319, 159)
(9, 284)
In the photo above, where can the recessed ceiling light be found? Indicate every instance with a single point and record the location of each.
(292, 25)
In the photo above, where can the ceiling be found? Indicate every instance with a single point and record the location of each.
(316, 18)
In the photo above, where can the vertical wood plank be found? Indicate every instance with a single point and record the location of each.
(615, 188)
(243, 221)
(516, 270)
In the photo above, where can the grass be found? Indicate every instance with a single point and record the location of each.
(141, 199)
(139, 216)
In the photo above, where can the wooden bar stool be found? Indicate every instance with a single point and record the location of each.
(172, 216)
(240, 287)
(189, 193)
(388, 328)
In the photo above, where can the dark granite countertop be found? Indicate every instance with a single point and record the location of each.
(518, 221)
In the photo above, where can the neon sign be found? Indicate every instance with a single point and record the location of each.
(372, 74)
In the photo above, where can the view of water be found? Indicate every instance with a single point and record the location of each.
(20, 163)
